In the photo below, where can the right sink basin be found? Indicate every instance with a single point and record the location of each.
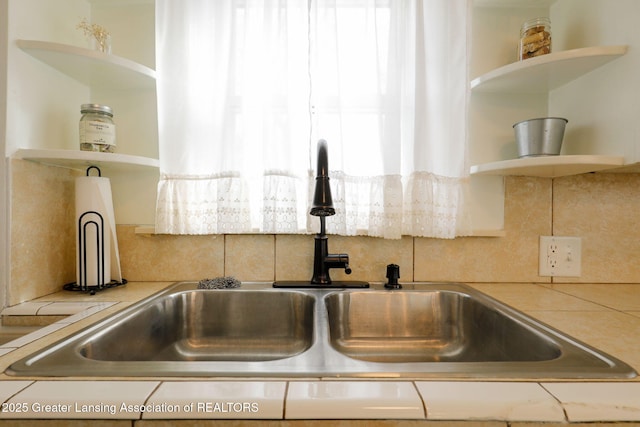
(436, 326)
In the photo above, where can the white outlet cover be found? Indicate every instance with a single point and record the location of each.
(560, 256)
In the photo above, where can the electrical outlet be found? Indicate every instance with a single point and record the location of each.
(560, 256)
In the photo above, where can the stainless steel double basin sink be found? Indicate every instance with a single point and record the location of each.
(430, 330)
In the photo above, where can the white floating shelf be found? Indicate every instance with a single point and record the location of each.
(546, 72)
(91, 67)
(549, 166)
(81, 160)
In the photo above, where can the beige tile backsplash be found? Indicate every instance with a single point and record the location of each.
(603, 209)
(512, 258)
(42, 247)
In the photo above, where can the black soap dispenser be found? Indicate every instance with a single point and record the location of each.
(393, 274)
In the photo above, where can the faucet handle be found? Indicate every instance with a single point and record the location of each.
(338, 261)
(347, 269)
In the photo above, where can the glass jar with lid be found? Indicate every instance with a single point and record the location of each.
(535, 38)
(97, 129)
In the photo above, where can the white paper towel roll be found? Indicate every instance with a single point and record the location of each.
(95, 233)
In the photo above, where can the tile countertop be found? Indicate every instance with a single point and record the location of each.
(606, 316)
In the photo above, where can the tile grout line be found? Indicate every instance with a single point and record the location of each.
(21, 390)
(424, 403)
(284, 400)
(40, 308)
(275, 257)
(564, 410)
(617, 310)
(146, 401)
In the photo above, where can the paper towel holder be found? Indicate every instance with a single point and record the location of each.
(95, 220)
(91, 219)
(94, 167)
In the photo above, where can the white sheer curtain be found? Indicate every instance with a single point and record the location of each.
(247, 87)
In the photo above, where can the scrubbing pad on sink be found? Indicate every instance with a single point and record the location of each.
(226, 282)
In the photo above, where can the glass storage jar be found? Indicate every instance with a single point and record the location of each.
(97, 129)
(535, 38)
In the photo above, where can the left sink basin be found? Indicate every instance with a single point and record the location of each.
(209, 326)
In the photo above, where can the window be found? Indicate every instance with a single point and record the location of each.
(246, 88)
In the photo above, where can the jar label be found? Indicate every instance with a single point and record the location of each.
(94, 132)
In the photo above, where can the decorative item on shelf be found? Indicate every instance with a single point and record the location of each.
(97, 129)
(540, 137)
(98, 36)
(535, 38)
(97, 255)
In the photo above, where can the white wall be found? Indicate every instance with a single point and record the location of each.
(496, 32)
(42, 103)
(4, 187)
(602, 106)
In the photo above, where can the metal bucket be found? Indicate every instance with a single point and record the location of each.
(540, 137)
